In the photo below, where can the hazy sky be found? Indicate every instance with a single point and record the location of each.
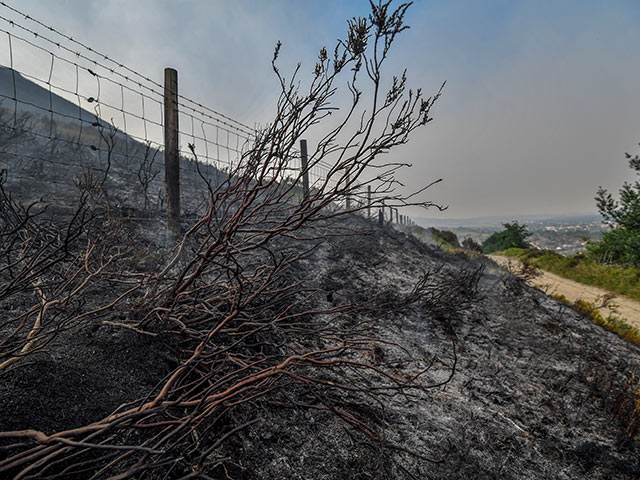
(541, 103)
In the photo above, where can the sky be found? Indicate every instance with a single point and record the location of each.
(541, 102)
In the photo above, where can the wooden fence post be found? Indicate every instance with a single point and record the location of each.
(171, 153)
(304, 163)
(380, 217)
(368, 201)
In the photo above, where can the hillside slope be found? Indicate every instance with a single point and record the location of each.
(280, 338)
(36, 99)
(470, 374)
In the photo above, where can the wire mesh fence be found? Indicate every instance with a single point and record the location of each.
(70, 114)
(73, 119)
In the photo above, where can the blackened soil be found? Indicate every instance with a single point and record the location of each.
(523, 387)
(84, 376)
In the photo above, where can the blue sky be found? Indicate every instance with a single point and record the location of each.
(542, 96)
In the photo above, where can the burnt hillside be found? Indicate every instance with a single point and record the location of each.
(261, 347)
(281, 334)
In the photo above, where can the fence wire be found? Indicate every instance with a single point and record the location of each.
(70, 114)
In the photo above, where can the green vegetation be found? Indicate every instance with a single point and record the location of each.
(624, 280)
(621, 245)
(445, 238)
(470, 244)
(614, 324)
(432, 236)
(513, 236)
(612, 263)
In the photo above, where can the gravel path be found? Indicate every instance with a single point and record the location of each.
(554, 284)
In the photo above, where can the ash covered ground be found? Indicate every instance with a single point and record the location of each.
(468, 373)
(281, 341)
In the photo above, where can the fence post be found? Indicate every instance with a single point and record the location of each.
(368, 201)
(380, 217)
(171, 154)
(397, 216)
(304, 163)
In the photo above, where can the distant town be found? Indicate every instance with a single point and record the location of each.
(566, 235)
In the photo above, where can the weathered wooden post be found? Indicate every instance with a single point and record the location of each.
(304, 163)
(348, 192)
(368, 201)
(380, 217)
(397, 216)
(171, 153)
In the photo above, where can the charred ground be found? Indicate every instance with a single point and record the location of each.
(469, 372)
(283, 335)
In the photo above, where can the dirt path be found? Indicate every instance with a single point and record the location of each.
(553, 284)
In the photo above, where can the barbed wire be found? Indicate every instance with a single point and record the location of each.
(127, 109)
(211, 112)
(89, 133)
(102, 103)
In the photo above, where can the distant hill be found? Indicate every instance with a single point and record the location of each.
(36, 99)
(59, 160)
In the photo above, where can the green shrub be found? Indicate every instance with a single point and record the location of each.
(470, 244)
(513, 236)
(445, 237)
(620, 245)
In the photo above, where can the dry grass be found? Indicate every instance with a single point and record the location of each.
(617, 325)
